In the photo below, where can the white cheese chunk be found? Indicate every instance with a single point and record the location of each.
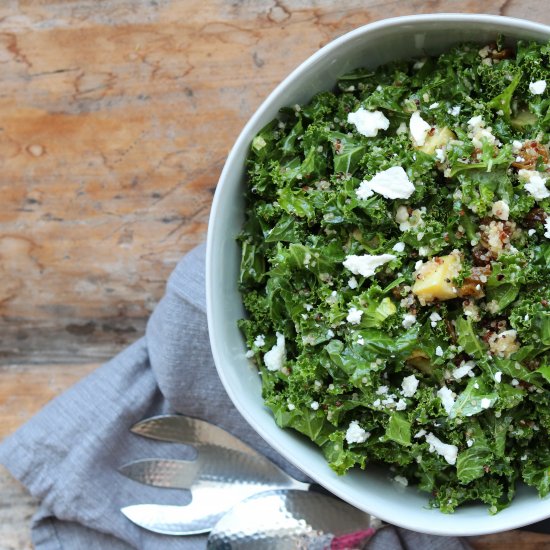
(538, 87)
(401, 405)
(274, 359)
(447, 398)
(392, 183)
(398, 247)
(354, 316)
(356, 434)
(409, 385)
(448, 452)
(408, 320)
(536, 184)
(463, 370)
(419, 129)
(367, 264)
(368, 123)
(259, 341)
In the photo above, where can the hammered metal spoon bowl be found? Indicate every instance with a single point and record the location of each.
(291, 520)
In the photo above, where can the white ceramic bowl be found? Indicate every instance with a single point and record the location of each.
(370, 490)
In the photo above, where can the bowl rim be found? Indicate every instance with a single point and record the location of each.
(217, 203)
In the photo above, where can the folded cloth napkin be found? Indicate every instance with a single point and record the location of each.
(68, 455)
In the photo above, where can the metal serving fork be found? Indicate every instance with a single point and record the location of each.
(225, 472)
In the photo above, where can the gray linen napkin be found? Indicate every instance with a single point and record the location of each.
(69, 453)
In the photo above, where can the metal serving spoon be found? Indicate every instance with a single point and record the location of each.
(291, 520)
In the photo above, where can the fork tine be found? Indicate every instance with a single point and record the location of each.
(174, 474)
(190, 431)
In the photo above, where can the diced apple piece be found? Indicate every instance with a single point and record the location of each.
(437, 139)
(434, 279)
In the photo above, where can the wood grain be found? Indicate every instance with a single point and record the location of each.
(115, 121)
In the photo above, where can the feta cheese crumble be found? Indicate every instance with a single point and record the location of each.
(535, 184)
(408, 320)
(367, 264)
(392, 183)
(447, 398)
(419, 129)
(498, 377)
(368, 123)
(464, 369)
(434, 318)
(448, 452)
(401, 405)
(439, 351)
(259, 342)
(399, 247)
(354, 316)
(538, 87)
(356, 434)
(274, 359)
(409, 385)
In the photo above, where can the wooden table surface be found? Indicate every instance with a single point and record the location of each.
(116, 117)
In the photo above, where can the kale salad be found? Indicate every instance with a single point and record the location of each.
(394, 271)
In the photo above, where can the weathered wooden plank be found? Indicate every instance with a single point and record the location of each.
(67, 341)
(16, 510)
(511, 540)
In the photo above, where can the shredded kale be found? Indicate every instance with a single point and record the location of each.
(394, 271)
